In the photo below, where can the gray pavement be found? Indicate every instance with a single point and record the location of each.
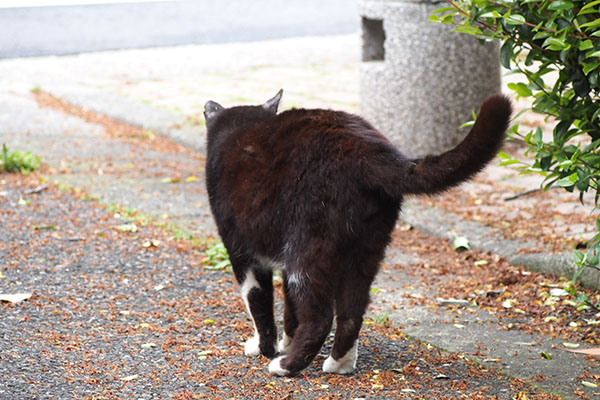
(69, 29)
(164, 90)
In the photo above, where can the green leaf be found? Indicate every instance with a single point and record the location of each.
(567, 181)
(514, 19)
(587, 68)
(521, 89)
(469, 30)
(502, 154)
(578, 257)
(542, 35)
(554, 43)
(445, 9)
(596, 114)
(223, 264)
(447, 19)
(560, 5)
(509, 162)
(591, 54)
(506, 53)
(592, 24)
(593, 256)
(578, 273)
(491, 14)
(586, 45)
(589, 5)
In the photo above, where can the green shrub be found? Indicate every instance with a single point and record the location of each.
(554, 46)
(15, 161)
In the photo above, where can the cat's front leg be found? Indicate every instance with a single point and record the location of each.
(257, 293)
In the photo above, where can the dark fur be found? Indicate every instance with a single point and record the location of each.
(320, 191)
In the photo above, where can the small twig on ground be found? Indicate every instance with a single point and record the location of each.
(37, 189)
(72, 239)
(525, 193)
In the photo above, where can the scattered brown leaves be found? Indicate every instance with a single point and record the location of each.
(519, 298)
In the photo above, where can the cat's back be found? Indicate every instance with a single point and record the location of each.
(303, 139)
(305, 151)
(321, 131)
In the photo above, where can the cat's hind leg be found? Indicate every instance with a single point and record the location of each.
(290, 320)
(312, 301)
(352, 299)
(257, 292)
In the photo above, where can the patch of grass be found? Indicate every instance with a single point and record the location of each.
(130, 216)
(178, 232)
(383, 319)
(216, 258)
(16, 161)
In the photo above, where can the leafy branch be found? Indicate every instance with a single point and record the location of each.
(554, 46)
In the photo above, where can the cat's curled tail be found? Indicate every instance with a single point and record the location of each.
(434, 174)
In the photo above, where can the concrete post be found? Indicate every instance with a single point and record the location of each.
(420, 81)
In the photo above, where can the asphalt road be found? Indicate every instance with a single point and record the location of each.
(71, 29)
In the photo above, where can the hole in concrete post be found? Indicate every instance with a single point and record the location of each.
(373, 37)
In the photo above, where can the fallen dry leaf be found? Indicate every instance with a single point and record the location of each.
(127, 228)
(571, 345)
(151, 243)
(590, 352)
(15, 298)
(129, 378)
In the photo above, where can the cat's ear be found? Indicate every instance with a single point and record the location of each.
(273, 104)
(211, 109)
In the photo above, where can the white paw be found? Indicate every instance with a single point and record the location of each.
(336, 367)
(345, 365)
(252, 346)
(284, 344)
(275, 367)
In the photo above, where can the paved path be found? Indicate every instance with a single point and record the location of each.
(75, 28)
(164, 90)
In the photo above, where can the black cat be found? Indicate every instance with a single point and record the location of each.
(316, 193)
